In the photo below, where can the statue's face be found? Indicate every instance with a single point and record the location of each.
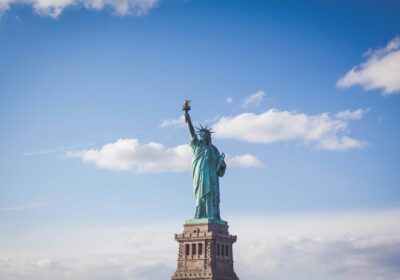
(206, 138)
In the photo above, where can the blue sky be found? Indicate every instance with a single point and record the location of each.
(303, 96)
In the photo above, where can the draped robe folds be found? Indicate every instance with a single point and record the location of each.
(205, 178)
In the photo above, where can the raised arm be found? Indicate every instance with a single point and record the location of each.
(190, 125)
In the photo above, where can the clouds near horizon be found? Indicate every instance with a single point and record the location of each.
(324, 131)
(381, 70)
(330, 246)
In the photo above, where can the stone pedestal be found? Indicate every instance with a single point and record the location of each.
(205, 251)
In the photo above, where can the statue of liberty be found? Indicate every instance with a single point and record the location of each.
(207, 166)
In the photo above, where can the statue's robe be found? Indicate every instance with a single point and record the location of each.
(205, 178)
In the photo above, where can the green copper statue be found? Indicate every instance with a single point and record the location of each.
(207, 165)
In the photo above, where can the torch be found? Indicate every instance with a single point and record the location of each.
(186, 108)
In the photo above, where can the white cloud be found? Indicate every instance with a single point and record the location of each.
(246, 160)
(131, 155)
(45, 263)
(54, 8)
(329, 246)
(317, 257)
(253, 99)
(352, 115)
(173, 122)
(229, 100)
(324, 131)
(380, 71)
(345, 246)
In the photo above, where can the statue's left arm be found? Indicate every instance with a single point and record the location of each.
(221, 165)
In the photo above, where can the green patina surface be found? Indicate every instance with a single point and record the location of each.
(205, 221)
(207, 166)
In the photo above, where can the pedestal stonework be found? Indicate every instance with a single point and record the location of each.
(205, 251)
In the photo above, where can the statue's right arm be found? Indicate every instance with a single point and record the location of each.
(190, 126)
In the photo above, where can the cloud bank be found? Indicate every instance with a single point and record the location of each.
(323, 131)
(317, 257)
(381, 70)
(329, 246)
(131, 155)
(54, 8)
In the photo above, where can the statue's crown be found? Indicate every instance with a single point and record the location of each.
(205, 129)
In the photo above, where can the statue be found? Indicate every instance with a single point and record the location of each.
(205, 245)
(207, 166)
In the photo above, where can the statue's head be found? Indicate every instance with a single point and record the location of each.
(205, 134)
